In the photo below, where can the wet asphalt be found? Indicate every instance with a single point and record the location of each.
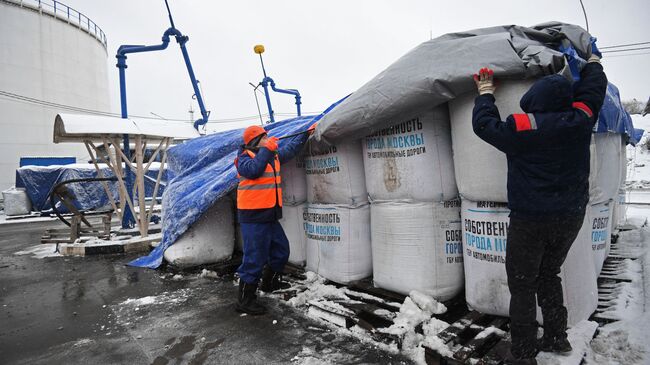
(97, 310)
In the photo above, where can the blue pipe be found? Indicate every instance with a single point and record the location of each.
(128, 221)
(265, 82)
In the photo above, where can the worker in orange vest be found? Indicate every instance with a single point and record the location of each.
(259, 206)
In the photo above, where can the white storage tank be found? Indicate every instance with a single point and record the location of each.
(417, 246)
(485, 227)
(48, 56)
(209, 240)
(481, 170)
(336, 175)
(293, 224)
(411, 159)
(338, 241)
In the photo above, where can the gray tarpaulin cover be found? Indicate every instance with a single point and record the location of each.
(438, 70)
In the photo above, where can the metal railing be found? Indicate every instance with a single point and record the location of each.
(65, 13)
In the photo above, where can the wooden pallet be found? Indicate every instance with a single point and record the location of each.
(469, 340)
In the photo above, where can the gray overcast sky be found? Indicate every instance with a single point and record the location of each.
(326, 49)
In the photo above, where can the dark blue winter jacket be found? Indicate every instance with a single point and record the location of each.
(547, 148)
(252, 168)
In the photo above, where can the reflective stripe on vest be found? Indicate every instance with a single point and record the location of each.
(261, 193)
(583, 108)
(524, 122)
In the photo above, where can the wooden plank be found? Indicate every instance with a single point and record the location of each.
(155, 154)
(159, 177)
(139, 179)
(119, 150)
(121, 184)
(138, 244)
(497, 354)
(476, 346)
(366, 287)
(459, 326)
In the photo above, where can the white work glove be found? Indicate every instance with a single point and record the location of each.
(485, 81)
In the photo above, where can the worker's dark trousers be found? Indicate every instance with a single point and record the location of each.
(535, 252)
(264, 243)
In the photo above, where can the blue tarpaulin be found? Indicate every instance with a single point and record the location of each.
(204, 172)
(614, 118)
(39, 181)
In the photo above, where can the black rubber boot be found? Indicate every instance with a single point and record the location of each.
(272, 281)
(247, 300)
(559, 345)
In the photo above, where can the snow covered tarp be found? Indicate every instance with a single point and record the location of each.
(39, 181)
(439, 70)
(204, 172)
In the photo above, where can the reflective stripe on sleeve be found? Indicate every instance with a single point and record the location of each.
(522, 122)
(584, 108)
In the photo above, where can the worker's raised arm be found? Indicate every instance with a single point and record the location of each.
(252, 168)
(295, 144)
(486, 120)
(292, 147)
(589, 92)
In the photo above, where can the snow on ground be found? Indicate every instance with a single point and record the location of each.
(166, 298)
(417, 309)
(626, 341)
(40, 251)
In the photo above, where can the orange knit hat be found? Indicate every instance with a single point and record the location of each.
(252, 132)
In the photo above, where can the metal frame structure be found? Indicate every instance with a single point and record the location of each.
(101, 136)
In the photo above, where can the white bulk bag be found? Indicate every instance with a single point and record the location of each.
(411, 159)
(618, 210)
(600, 223)
(417, 246)
(210, 239)
(605, 179)
(481, 170)
(294, 181)
(293, 225)
(338, 242)
(16, 202)
(336, 176)
(485, 226)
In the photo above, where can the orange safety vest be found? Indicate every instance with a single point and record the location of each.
(261, 193)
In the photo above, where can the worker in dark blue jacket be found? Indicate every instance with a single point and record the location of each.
(547, 149)
(259, 206)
